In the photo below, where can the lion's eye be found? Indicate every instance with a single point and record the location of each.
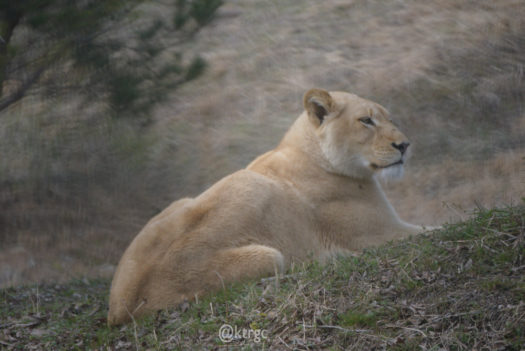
(367, 120)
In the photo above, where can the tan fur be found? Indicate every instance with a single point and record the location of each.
(313, 196)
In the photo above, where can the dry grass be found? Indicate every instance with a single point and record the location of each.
(449, 189)
(75, 190)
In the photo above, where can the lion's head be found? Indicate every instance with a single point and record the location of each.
(356, 136)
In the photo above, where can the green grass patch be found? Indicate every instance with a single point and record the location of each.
(358, 319)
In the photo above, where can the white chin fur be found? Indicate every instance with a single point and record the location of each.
(392, 173)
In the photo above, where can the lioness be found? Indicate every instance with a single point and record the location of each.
(314, 195)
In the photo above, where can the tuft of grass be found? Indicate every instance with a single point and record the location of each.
(358, 319)
(458, 288)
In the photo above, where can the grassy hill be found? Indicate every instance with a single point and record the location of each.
(460, 288)
(76, 185)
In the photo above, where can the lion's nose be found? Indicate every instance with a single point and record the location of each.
(401, 147)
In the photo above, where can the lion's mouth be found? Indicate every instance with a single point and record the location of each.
(400, 162)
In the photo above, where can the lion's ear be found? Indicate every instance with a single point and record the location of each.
(318, 103)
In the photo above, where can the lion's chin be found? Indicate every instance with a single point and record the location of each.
(392, 173)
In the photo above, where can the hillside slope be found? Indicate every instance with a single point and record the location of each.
(461, 288)
(76, 187)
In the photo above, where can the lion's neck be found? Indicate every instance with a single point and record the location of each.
(299, 160)
(301, 138)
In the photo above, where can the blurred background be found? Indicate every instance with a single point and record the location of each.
(110, 110)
